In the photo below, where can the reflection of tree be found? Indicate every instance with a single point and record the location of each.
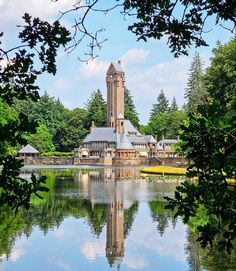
(161, 215)
(10, 225)
(62, 201)
(209, 258)
(129, 215)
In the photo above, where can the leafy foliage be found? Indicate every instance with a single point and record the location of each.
(166, 123)
(209, 142)
(18, 81)
(47, 110)
(42, 139)
(181, 21)
(72, 130)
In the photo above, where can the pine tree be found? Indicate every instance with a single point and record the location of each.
(97, 109)
(174, 105)
(194, 92)
(130, 110)
(161, 106)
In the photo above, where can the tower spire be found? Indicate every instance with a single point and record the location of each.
(115, 80)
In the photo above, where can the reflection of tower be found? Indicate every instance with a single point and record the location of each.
(115, 230)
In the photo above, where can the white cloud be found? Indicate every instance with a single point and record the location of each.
(19, 249)
(14, 9)
(145, 84)
(136, 262)
(93, 249)
(93, 69)
(134, 56)
(171, 244)
(59, 262)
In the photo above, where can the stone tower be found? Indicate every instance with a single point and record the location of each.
(115, 80)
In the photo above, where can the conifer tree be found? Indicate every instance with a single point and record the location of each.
(161, 106)
(130, 110)
(174, 105)
(96, 107)
(194, 92)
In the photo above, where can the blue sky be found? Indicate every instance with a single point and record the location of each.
(149, 67)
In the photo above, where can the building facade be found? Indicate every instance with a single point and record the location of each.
(120, 143)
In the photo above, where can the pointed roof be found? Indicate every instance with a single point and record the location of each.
(124, 143)
(120, 116)
(28, 149)
(115, 67)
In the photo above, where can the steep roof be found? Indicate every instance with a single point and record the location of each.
(101, 134)
(168, 141)
(128, 127)
(28, 149)
(117, 66)
(124, 143)
(150, 139)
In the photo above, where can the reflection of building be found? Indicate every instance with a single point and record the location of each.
(115, 231)
(107, 186)
(120, 142)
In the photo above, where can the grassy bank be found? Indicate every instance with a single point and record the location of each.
(163, 170)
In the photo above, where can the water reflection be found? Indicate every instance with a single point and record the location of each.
(102, 220)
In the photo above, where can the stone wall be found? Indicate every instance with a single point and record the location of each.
(129, 162)
(49, 160)
(86, 161)
(173, 161)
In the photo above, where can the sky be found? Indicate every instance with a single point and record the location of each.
(149, 67)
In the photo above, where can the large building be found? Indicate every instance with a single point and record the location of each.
(120, 143)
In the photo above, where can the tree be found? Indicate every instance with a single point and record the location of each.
(161, 106)
(195, 92)
(174, 122)
(208, 140)
(72, 131)
(174, 105)
(184, 23)
(130, 110)
(42, 139)
(181, 21)
(167, 124)
(97, 110)
(47, 110)
(40, 42)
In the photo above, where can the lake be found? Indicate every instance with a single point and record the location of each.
(102, 219)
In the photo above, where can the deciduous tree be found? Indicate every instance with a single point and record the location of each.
(208, 140)
(40, 42)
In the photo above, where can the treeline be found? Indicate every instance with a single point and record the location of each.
(62, 129)
(59, 128)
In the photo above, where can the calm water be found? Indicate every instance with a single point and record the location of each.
(103, 219)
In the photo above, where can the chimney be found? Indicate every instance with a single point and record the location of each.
(119, 62)
(92, 126)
